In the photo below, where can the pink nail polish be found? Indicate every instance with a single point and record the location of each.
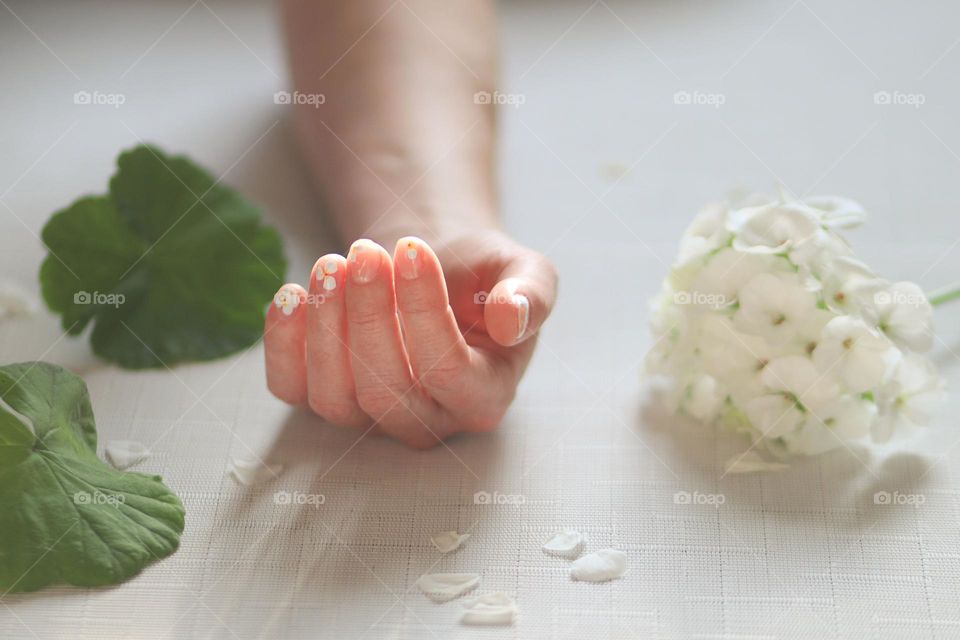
(364, 261)
(408, 262)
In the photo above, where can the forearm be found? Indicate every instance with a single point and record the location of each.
(399, 145)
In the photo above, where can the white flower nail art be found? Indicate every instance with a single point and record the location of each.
(287, 300)
(325, 275)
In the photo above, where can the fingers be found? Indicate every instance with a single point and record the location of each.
(439, 356)
(521, 300)
(330, 388)
(381, 372)
(284, 337)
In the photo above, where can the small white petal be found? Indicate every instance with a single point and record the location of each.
(772, 306)
(905, 316)
(123, 454)
(565, 544)
(774, 228)
(491, 609)
(447, 541)
(860, 356)
(837, 212)
(774, 415)
(16, 302)
(442, 587)
(249, 472)
(601, 566)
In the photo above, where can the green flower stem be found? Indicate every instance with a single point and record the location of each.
(945, 294)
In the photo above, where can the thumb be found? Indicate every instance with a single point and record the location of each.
(521, 300)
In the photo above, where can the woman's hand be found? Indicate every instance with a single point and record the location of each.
(419, 345)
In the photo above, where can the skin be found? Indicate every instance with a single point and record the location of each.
(426, 326)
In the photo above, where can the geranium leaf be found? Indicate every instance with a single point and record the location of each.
(170, 266)
(67, 516)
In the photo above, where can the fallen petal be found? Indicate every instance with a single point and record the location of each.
(494, 608)
(601, 566)
(123, 454)
(565, 544)
(447, 541)
(250, 472)
(442, 587)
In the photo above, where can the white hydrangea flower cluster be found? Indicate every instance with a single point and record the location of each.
(767, 324)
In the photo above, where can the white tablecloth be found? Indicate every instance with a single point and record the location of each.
(803, 553)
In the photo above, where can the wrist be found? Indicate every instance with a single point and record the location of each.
(435, 228)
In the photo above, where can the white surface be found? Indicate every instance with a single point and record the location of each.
(802, 553)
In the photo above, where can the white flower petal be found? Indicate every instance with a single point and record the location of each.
(16, 302)
(774, 415)
(442, 587)
(447, 541)
(565, 544)
(909, 398)
(491, 609)
(860, 356)
(251, 471)
(773, 228)
(772, 306)
(837, 212)
(601, 566)
(905, 316)
(123, 454)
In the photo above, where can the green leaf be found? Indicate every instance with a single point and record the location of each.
(170, 266)
(66, 516)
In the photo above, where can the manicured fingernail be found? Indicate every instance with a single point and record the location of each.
(523, 313)
(287, 299)
(326, 268)
(364, 261)
(408, 258)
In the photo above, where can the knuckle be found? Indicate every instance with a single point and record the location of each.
(377, 401)
(451, 376)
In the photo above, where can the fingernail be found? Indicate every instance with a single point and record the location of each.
(523, 313)
(287, 300)
(408, 262)
(326, 269)
(364, 261)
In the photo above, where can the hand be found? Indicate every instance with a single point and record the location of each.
(419, 346)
